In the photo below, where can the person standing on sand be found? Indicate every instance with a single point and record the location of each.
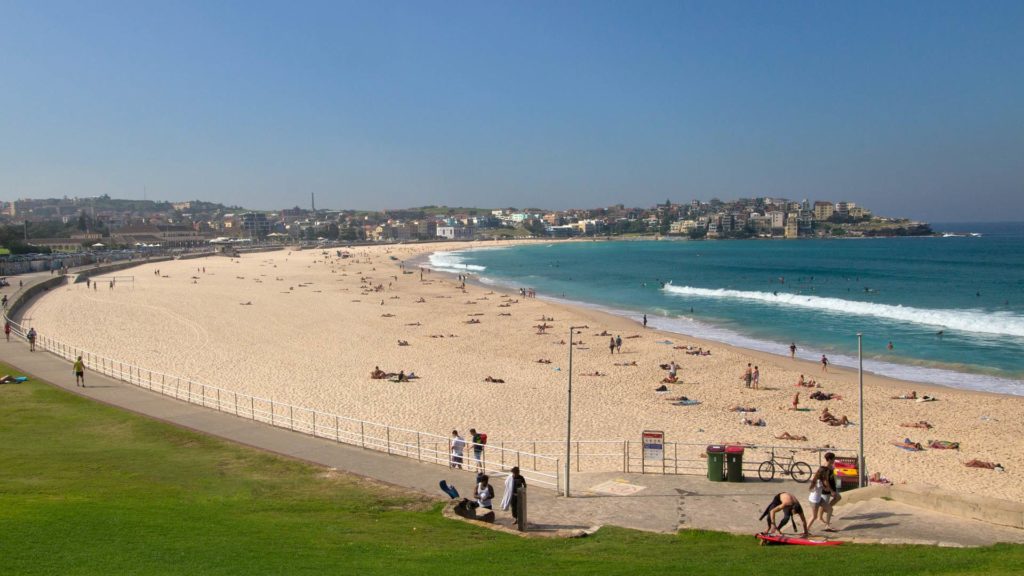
(645, 320)
(824, 364)
(611, 345)
(792, 349)
(31, 339)
(748, 376)
(618, 344)
(79, 370)
(755, 378)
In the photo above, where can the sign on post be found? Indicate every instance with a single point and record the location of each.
(654, 446)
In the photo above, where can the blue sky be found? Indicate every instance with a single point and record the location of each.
(909, 108)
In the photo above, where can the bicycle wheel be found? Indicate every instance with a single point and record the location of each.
(766, 471)
(801, 471)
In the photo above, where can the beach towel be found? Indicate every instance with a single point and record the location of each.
(926, 399)
(686, 403)
(943, 445)
(21, 378)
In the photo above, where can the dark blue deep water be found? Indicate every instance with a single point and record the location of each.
(817, 293)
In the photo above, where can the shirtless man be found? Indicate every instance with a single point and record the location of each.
(787, 504)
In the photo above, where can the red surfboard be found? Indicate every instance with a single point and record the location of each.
(780, 539)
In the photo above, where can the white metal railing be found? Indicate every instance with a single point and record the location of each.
(678, 457)
(539, 469)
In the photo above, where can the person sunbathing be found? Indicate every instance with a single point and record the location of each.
(7, 379)
(877, 478)
(984, 464)
(633, 363)
(492, 379)
(943, 445)
(420, 300)
(788, 436)
(543, 361)
(907, 444)
(742, 409)
(473, 321)
(918, 424)
(749, 422)
(378, 374)
(387, 315)
(678, 399)
(911, 396)
(670, 379)
(595, 373)
(819, 395)
(830, 419)
(403, 342)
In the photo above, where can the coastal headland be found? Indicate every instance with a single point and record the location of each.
(308, 327)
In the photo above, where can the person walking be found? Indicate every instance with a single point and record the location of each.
(79, 370)
(611, 345)
(513, 483)
(645, 320)
(824, 364)
(7, 330)
(478, 441)
(792, 349)
(829, 485)
(618, 344)
(458, 445)
(31, 339)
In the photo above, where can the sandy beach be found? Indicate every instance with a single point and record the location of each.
(307, 328)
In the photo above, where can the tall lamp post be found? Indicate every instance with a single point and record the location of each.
(860, 418)
(568, 416)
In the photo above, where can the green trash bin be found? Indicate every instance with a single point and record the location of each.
(734, 463)
(716, 463)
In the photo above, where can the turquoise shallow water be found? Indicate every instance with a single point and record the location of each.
(816, 293)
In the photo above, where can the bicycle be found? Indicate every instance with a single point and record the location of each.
(799, 471)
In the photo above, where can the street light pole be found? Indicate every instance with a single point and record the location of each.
(860, 418)
(568, 417)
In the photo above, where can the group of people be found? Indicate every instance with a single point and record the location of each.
(457, 449)
(824, 495)
(615, 344)
(751, 377)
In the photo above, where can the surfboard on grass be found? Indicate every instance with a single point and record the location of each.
(448, 489)
(767, 539)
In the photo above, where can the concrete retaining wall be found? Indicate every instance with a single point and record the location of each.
(983, 508)
(23, 296)
(104, 268)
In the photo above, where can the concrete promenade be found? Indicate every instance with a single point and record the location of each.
(645, 502)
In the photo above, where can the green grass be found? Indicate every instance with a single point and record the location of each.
(88, 489)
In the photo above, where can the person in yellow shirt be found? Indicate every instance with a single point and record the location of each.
(79, 369)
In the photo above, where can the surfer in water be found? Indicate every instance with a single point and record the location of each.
(789, 506)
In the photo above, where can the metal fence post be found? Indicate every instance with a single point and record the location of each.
(291, 417)
(418, 454)
(337, 431)
(272, 413)
(362, 433)
(314, 423)
(387, 431)
(218, 399)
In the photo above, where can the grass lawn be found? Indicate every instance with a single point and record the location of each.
(88, 489)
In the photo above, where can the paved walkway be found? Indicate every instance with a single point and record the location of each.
(644, 502)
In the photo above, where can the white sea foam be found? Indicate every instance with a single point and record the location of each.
(978, 321)
(452, 262)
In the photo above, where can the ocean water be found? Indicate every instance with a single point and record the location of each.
(817, 293)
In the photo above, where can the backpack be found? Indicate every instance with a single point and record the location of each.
(483, 438)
